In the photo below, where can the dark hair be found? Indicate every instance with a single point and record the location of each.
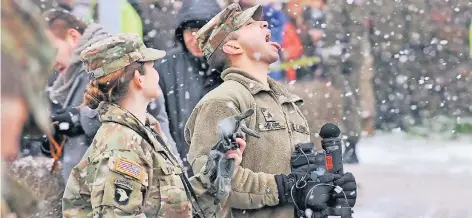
(60, 20)
(112, 87)
(219, 61)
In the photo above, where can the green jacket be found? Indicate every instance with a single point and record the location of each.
(470, 40)
(130, 22)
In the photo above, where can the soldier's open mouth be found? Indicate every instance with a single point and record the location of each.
(267, 38)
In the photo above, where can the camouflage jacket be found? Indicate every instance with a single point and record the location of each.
(128, 171)
(17, 200)
(278, 121)
(47, 187)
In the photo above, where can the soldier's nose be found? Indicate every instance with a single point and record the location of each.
(264, 24)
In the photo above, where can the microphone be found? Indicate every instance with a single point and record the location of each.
(332, 145)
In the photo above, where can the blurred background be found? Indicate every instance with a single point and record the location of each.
(395, 75)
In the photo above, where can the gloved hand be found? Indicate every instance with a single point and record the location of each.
(287, 187)
(67, 121)
(304, 163)
(348, 183)
(318, 192)
(305, 192)
(304, 158)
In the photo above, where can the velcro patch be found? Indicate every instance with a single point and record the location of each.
(129, 168)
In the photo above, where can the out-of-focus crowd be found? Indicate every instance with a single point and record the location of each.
(362, 64)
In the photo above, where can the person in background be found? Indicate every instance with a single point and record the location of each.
(185, 74)
(277, 23)
(292, 47)
(344, 32)
(129, 19)
(311, 35)
(322, 101)
(66, 4)
(159, 22)
(71, 36)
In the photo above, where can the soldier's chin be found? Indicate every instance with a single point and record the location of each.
(274, 58)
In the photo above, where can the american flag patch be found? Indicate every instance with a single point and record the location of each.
(129, 168)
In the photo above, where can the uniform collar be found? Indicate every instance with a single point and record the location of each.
(110, 112)
(254, 86)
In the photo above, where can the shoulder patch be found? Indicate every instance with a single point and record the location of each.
(129, 168)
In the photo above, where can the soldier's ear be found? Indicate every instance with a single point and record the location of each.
(138, 81)
(232, 47)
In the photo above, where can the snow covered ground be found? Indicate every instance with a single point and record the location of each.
(401, 176)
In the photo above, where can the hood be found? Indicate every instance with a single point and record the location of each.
(195, 13)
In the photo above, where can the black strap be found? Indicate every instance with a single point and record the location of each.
(189, 189)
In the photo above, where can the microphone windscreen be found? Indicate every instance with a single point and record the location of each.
(329, 130)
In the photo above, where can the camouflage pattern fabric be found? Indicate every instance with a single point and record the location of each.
(127, 172)
(116, 52)
(27, 56)
(398, 34)
(230, 19)
(344, 32)
(48, 188)
(17, 199)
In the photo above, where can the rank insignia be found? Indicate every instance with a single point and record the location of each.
(267, 115)
(129, 168)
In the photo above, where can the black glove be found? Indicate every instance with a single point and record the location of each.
(348, 183)
(68, 121)
(304, 158)
(304, 163)
(317, 193)
(286, 186)
(305, 192)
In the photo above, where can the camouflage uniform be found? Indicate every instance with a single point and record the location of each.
(448, 62)
(128, 169)
(344, 33)
(35, 173)
(277, 119)
(398, 33)
(27, 57)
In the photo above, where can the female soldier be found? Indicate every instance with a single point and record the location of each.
(128, 171)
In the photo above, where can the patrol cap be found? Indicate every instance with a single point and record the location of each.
(116, 52)
(230, 19)
(27, 57)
